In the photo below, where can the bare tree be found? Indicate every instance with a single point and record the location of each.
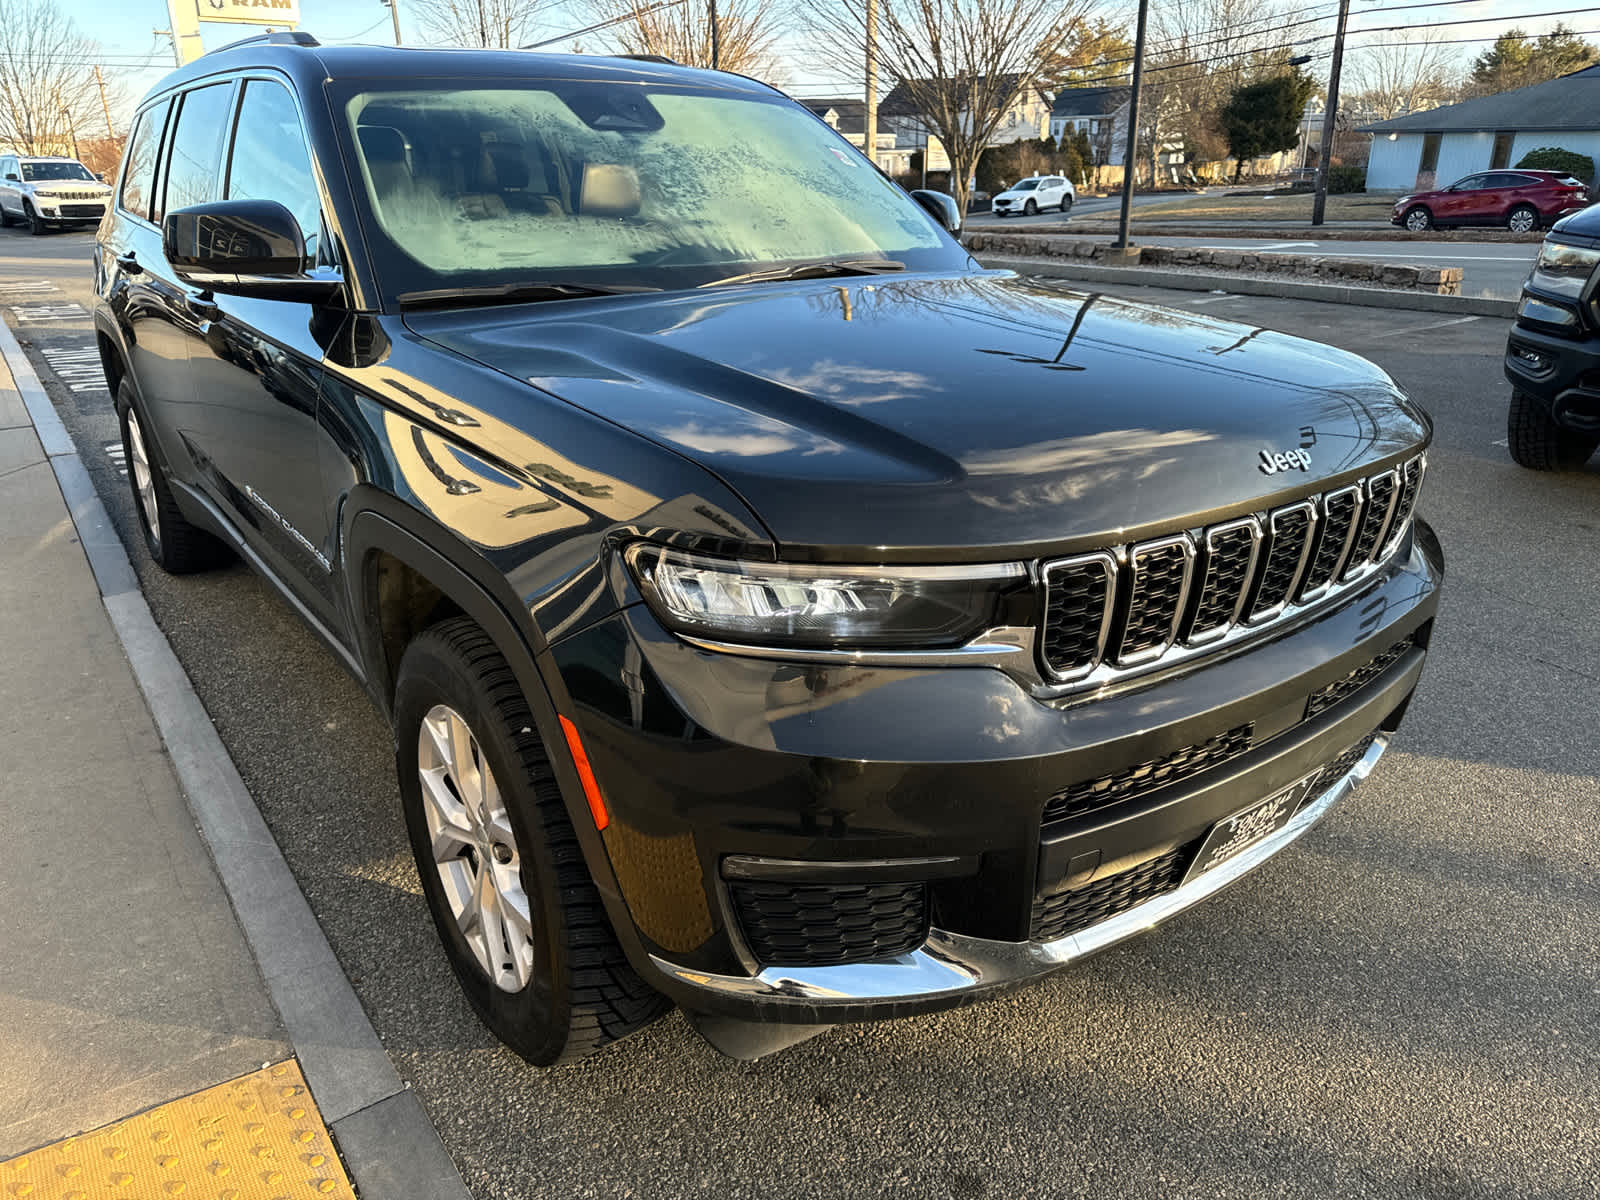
(746, 31)
(491, 24)
(1410, 73)
(47, 84)
(962, 64)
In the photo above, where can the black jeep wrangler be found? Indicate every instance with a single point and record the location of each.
(1553, 354)
(778, 614)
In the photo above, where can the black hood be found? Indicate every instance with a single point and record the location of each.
(950, 416)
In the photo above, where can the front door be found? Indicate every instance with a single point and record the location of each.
(257, 367)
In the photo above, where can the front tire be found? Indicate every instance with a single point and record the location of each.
(176, 546)
(520, 918)
(1030, 209)
(1538, 443)
(1524, 218)
(36, 223)
(1418, 219)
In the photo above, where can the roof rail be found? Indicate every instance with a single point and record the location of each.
(286, 38)
(655, 58)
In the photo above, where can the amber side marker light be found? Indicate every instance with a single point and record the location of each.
(591, 787)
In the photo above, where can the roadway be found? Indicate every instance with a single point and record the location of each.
(1406, 1005)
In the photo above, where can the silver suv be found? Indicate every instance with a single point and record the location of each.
(46, 192)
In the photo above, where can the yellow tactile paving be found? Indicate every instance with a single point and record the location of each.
(258, 1137)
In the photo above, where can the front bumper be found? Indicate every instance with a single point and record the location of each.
(1562, 371)
(715, 763)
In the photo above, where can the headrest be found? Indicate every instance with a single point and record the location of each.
(609, 190)
(510, 168)
(382, 144)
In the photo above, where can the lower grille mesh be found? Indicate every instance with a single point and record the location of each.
(818, 925)
(1340, 767)
(1340, 689)
(1092, 794)
(1062, 913)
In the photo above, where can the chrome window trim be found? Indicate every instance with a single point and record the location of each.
(1267, 615)
(1143, 549)
(1253, 524)
(1111, 565)
(1353, 490)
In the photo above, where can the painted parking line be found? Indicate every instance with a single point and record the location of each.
(1388, 333)
(12, 289)
(77, 366)
(118, 457)
(35, 314)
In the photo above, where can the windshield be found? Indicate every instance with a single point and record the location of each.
(1026, 185)
(40, 171)
(482, 182)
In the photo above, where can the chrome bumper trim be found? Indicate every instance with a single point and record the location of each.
(953, 963)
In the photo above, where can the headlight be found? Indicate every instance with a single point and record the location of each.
(1563, 270)
(775, 604)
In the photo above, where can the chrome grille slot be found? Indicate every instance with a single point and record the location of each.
(1230, 564)
(1127, 610)
(1289, 536)
(1078, 605)
(1410, 485)
(1380, 501)
(1340, 513)
(1159, 585)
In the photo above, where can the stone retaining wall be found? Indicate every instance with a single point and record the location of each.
(1443, 281)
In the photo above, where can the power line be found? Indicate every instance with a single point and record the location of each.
(633, 15)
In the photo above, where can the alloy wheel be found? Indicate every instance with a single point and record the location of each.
(475, 848)
(1417, 220)
(144, 480)
(1521, 221)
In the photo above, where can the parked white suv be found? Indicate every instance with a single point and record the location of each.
(1035, 194)
(47, 191)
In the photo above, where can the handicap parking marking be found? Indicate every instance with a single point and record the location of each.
(77, 366)
(35, 314)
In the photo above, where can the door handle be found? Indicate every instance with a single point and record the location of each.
(129, 263)
(202, 306)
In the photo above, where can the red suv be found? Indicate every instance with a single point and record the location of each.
(1520, 200)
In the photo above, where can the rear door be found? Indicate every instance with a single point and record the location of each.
(257, 363)
(10, 195)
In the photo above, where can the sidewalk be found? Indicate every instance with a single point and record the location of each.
(139, 968)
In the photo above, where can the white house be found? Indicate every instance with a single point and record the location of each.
(1100, 112)
(849, 118)
(1433, 148)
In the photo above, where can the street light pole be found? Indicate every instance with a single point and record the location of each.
(1122, 242)
(869, 141)
(1319, 203)
(716, 39)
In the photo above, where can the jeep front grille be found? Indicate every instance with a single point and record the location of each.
(1129, 609)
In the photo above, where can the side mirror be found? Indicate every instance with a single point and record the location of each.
(100, 175)
(942, 208)
(243, 248)
(13, 178)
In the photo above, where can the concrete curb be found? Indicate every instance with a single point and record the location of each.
(389, 1146)
(1287, 289)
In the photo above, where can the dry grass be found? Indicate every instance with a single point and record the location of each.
(1273, 208)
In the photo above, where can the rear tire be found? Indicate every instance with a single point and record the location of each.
(1417, 219)
(6, 219)
(549, 979)
(1066, 205)
(1524, 218)
(1538, 443)
(176, 546)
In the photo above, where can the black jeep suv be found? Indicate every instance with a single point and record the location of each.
(1553, 353)
(778, 614)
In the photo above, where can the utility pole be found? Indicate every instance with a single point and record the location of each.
(1122, 242)
(394, 11)
(716, 39)
(104, 107)
(72, 129)
(1329, 117)
(870, 130)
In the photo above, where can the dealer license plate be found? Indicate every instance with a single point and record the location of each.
(1233, 835)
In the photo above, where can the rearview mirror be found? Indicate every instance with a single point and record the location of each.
(242, 248)
(942, 207)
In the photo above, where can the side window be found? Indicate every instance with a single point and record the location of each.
(139, 175)
(196, 153)
(270, 160)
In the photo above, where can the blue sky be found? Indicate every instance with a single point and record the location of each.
(137, 59)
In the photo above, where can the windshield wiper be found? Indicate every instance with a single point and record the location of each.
(516, 293)
(815, 270)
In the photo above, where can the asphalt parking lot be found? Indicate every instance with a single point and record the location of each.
(1405, 1004)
